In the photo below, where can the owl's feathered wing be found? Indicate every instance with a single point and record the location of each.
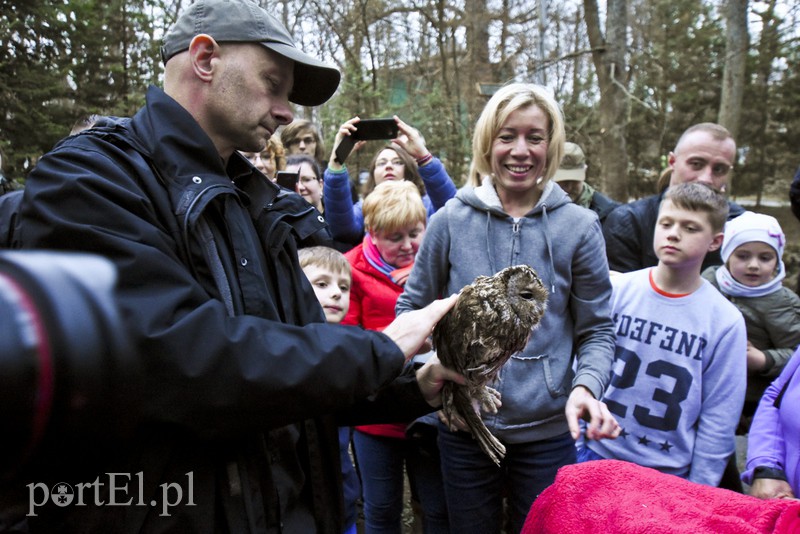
(492, 319)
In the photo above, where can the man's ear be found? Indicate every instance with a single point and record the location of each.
(716, 243)
(202, 50)
(671, 159)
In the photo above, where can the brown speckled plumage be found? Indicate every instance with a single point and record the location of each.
(492, 319)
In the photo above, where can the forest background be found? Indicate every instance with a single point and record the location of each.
(630, 75)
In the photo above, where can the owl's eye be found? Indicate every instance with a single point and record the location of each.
(527, 295)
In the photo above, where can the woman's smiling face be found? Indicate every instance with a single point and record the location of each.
(519, 150)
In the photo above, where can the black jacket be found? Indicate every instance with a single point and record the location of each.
(240, 381)
(629, 231)
(602, 205)
(9, 212)
(794, 194)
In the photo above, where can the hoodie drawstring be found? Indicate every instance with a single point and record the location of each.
(549, 244)
(489, 243)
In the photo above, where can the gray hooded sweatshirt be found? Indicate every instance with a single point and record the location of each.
(471, 236)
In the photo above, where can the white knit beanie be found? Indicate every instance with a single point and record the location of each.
(750, 226)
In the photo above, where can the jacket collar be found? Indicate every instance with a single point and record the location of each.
(176, 143)
(485, 198)
(186, 158)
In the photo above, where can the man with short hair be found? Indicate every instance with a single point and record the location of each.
(242, 377)
(705, 153)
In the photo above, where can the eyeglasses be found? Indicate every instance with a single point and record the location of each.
(305, 140)
(397, 162)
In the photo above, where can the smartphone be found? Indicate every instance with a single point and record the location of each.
(367, 130)
(287, 180)
(371, 129)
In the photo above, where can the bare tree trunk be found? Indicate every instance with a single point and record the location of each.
(479, 69)
(540, 72)
(736, 45)
(767, 50)
(608, 56)
(577, 75)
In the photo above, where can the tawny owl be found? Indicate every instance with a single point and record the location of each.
(492, 319)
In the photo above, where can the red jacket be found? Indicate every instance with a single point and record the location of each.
(372, 300)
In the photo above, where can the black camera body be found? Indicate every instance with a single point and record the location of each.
(65, 359)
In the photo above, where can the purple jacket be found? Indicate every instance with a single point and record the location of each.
(774, 439)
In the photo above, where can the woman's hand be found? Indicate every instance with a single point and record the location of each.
(345, 130)
(410, 140)
(582, 405)
(770, 488)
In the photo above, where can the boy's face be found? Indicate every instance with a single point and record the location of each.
(753, 263)
(332, 290)
(683, 236)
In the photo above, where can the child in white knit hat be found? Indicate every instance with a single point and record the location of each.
(752, 279)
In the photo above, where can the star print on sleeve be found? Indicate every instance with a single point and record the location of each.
(666, 446)
(644, 441)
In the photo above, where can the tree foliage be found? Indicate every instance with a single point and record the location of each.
(62, 60)
(32, 45)
(434, 63)
(772, 120)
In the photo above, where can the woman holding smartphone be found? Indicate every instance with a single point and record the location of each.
(405, 158)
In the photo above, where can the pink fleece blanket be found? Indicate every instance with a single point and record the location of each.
(614, 497)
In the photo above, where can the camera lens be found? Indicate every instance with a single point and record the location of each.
(61, 346)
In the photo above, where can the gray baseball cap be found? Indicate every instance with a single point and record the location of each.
(243, 21)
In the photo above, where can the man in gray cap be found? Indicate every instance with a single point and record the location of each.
(571, 177)
(233, 418)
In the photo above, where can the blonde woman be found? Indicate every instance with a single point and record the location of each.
(512, 214)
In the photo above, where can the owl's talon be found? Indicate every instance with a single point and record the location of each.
(490, 400)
